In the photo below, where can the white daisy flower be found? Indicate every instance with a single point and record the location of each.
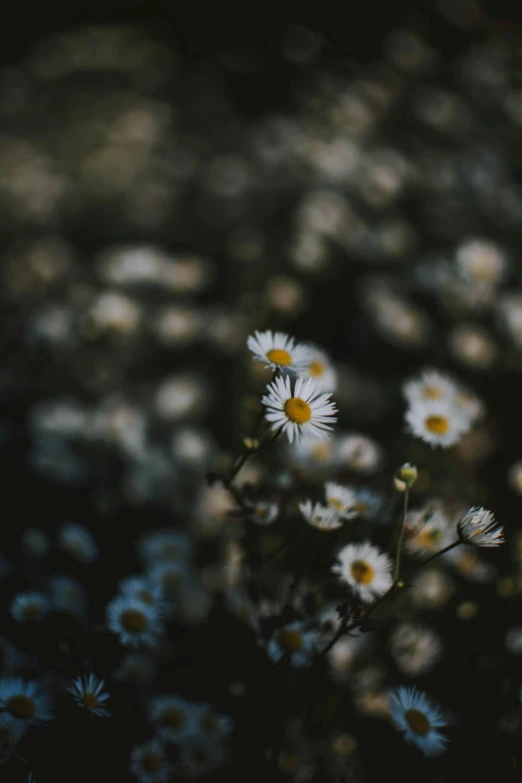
(412, 713)
(479, 528)
(68, 595)
(22, 704)
(414, 648)
(432, 385)
(78, 542)
(319, 516)
(87, 691)
(279, 351)
(296, 641)
(437, 422)
(148, 762)
(358, 452)
(366, 569)
(302, 411)
(320, 368)
(431, 589)
(341, 499)
(481, 262)
(174, 717)
(30, 606)
(428, 530)
(136, 623)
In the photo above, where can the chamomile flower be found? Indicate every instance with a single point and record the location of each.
(296, 641)
(174, 717)
(478, 528)
(298, 411)
(22, 704)
(136, 623)
(358, 452)
(428, 530)
(431, 386)
(87, 691)
(78, 542)
(414, 648)
(341, 499)
(30, 606)
(437, 422)
(279, 351)
(320, 368)
(148, 762)
(366, 569)
(319, 516)
(412, 714)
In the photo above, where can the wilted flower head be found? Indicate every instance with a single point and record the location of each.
(319, 516)
(479, 528)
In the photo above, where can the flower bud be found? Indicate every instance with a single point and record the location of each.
(407, 475)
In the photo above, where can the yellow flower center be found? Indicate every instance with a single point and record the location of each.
(362, 572)
(290, 640)
(297, 410)
(316, 369)
(418, 722)
(437, 425)
(336, 503)
(279, 356)
(175, 719)
(21, 707)
(134, 621)
(152, 762)
(90, 700)
(431, 392)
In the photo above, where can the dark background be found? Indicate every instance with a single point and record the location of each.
(353, 33)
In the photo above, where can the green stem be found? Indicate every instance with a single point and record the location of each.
(397, 572)
(441, 552)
